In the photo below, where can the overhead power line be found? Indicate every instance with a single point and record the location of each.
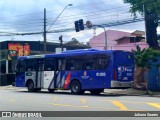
(122, 22)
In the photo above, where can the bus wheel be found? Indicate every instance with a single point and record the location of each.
(96, 92)
(76, 88)
(30, 86)
(51, 90)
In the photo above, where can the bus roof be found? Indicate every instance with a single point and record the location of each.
(71, 53)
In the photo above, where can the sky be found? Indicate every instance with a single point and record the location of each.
(19, 16)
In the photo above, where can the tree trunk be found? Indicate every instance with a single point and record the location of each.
(140, 80)
(151, 25)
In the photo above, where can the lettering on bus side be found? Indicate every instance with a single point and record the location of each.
(100, 74)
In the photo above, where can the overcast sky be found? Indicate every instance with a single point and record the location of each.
(18, 16)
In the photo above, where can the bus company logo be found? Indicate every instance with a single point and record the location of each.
(85, 73)
(120, 69)
(45, 75)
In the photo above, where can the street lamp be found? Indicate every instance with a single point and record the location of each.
(59, 16)
(45, 31)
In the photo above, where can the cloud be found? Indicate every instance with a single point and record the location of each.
(20, 16)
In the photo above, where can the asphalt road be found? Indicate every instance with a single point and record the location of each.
(22, 100)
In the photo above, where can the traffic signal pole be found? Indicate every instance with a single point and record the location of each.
(105, 35)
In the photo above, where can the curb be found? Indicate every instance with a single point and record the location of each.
(10, 87)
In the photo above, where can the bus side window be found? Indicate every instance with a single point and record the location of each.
(49, 64)
(31, 65)
(70, 64)
(61, 64)
(103, 62)
(91, 64)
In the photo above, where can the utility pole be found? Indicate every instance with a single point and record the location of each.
(44, 33)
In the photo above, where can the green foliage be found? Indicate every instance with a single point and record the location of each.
(145, 56)
(152, 6)
(75, 42)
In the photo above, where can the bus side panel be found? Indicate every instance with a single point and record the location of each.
(48, 77)
(60, 79)
(76, 75)
(90, 79)
(20, 79)
(95, 79)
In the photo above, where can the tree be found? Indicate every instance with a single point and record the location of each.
(76, 44)
(151, 8)
(74, 41)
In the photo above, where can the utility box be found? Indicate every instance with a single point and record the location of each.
(153, 76)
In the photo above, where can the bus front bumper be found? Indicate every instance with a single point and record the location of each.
(119, 84)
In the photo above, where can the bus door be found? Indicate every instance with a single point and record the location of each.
(40, 73)
(49, 73)
(59, 76)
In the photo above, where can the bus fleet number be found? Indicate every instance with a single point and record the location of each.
(101, 74)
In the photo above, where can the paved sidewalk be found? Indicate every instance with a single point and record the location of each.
(8, 87)
(131, 92)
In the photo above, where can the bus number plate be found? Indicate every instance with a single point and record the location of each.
(101, 74)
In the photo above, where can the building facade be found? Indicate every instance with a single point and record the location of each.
(119, 40)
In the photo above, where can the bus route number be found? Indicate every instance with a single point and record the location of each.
(101, 74)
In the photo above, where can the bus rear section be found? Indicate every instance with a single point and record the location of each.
(123, 69)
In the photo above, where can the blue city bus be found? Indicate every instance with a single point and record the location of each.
(76, 70)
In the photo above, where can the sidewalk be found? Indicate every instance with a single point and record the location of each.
(131, 92)
(8, 87)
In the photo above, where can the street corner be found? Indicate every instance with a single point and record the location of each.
(9, 87)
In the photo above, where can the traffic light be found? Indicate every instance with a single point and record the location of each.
(76, 26)
(60, 38)
(81, 25)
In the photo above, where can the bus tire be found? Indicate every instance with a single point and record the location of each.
(76, 87)
(30, 86)
(96, 91)
(51, 90)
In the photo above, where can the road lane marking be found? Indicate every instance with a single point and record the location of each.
(69, 105)
(55, 99)
(156, 105)
(83, 101)
(12, 100)
(119, 105)
(127, 101)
